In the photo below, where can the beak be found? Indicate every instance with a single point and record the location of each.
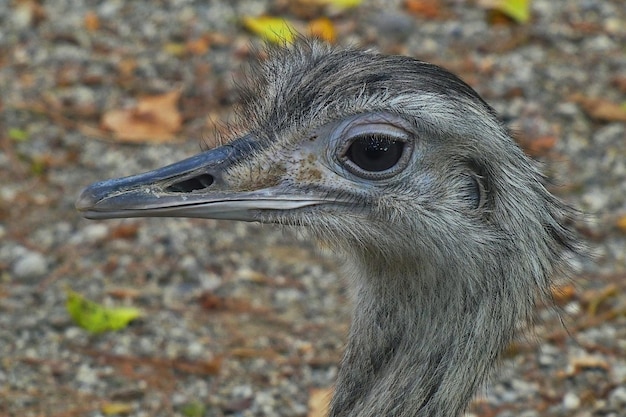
(194, 187)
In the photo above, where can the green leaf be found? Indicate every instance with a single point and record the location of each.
(518, 10)
(271, 29)
(342, 4)
(115, 408)
(193, 409)
(18, 135)
(96, 318)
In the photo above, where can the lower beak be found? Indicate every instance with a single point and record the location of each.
(193, 187)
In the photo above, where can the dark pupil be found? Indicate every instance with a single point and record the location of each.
(375, 153)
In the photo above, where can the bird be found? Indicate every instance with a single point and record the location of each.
(450, 237)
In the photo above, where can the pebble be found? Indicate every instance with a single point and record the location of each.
(571, 401)
(619, 370)
(94, 232)
(617, 397)
(30, 265)
(86, 376)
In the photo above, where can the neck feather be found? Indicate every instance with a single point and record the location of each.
(422, 345)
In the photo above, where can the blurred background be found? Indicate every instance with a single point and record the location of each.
(249, 320)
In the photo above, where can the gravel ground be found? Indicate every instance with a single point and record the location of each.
(249, 320)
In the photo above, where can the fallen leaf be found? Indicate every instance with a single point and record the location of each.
(112, 408)
(341, 4)
(563, 293)
(154, 119)
(322, 28)
(124, 293)
(429, 9)
(517, 10)
(91, 21)
(601, 109)
(125, 231)
(272, 29)
(193, 409)
(18, 135)
(177, 49)
(537, 146)
(96, 318)
(319, 401)
(583, 363)
(198, 46)
(210, 301)
(302, 9)
(621, 223)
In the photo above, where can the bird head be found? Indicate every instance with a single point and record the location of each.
(387, 155)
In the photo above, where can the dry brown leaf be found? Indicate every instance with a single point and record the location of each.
(601, 109)
(210, 301)
(537, 146)
(198, 46)
(430, 9)
(563, 293)
(201, 367)
(322, 28)
(582, 363)
(91, 21)
(621, 223)
(155, 119)
(124, 293)
(319, 401)
(125, 231)
(301, 9)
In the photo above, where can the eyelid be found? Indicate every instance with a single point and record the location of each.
(384, 129)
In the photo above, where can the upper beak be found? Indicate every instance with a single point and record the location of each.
(194, 187)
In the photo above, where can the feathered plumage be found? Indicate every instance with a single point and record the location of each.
(450, 235)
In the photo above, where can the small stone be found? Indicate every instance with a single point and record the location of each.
(595, 200)
(30, 265)
(195, 349)
(86, 376)
(209, 281)
(571, 401)
(568, 109)
(617, 397)
(619, 371)
(189, 264)
(95, 232)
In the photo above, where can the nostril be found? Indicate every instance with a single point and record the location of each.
(199, 182)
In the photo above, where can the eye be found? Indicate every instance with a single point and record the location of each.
(375, 156)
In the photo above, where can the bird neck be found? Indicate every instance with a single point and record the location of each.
(419, 345)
